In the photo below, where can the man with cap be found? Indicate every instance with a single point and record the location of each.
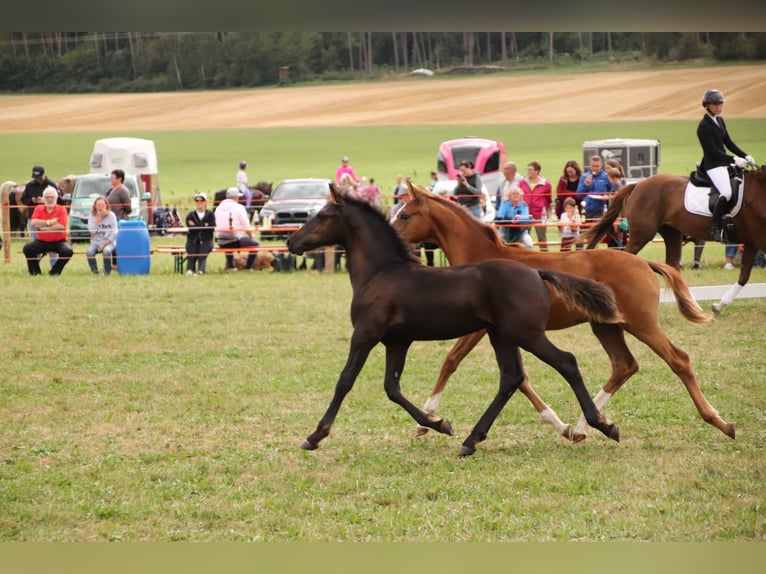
(50, 220)
(232, 229)
(345, 168)
(199, 239)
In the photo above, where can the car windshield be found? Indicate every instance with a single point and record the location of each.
(93, 187)
(301, 190)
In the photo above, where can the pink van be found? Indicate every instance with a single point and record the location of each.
(488, 157)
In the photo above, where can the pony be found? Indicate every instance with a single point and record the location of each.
(656, 205)
(464, 239)
(396, 301)
(261, 192)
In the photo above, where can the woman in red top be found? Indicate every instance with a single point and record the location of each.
(567, 186)
(537, 194)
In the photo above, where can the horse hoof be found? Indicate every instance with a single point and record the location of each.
(466, 451)
(446, 427)
(730, 431)
(420, 431)
(306, 445)
(716, 308)
(578, 437)
(614, 433)
(568, 433)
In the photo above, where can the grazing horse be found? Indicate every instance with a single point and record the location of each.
(656, 205)
(464, 239)
(397, 301)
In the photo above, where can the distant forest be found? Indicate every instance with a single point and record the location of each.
(79, 62)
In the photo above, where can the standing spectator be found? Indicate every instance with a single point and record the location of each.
(370, 193)
(199, 237)
(468, 190)
(33, 196)
(399, 188)
(102, 225)
(50, 220)
(614, 163)
(233, 229)
(715, 141)
(511, 177)
(569, 223)
(537, 194)
(514, 210)
(593, 189)
(434, 179)
(345, 168)
(567, 185)
(243, 187)
(118, 196)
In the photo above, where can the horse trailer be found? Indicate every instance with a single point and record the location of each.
(133, 156)
(640, 158)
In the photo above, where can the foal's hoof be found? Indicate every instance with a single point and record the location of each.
(466, 450)
(579, 437)
(717, 308)
(614, 433)
(446, 427)
(306, 445)
(568, 433)
(730, 431)
(420, 431)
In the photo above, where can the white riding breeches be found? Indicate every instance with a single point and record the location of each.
(720, 178)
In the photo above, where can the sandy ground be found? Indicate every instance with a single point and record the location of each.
(602, 96)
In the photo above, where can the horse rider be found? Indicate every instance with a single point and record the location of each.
(715, 140)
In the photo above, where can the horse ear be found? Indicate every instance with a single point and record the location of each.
(416, 192)
(336, 195)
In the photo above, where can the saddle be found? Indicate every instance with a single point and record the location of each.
(701, 195)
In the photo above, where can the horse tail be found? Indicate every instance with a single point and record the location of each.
(687, 306)
(595, 300)
(605, 224)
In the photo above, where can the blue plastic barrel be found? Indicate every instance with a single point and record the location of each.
(133, 248)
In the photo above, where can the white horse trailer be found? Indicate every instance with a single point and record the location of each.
(639, 158)
(132, 155)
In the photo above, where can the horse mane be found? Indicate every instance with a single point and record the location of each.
(489, 231)
(381, 223)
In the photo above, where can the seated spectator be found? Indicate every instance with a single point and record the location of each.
(102, 225)
(233, 229)
(51, 221)
(513, 210)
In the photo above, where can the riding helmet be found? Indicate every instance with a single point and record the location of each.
(712, 97)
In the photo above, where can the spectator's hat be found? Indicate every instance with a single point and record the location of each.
(232, 192)
(344, 158)
(201, 196)
(38, 171)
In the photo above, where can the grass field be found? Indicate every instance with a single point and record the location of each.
(166, 407)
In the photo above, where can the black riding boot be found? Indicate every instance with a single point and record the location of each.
(718, 212)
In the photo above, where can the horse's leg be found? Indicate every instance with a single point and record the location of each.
(357, 356)
(678, 361)
(459, 351)
(748, 258)
(566, 365)
(624, 366)
(511, 376)
(396, 353)
(673, 245)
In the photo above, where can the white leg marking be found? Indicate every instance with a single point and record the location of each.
(432, 403)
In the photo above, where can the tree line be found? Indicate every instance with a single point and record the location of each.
(78, 62)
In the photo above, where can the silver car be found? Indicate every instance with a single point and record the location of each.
(292, 203)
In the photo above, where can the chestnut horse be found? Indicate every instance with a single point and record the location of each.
(396, 301)
(464, 239)
(656, 205)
